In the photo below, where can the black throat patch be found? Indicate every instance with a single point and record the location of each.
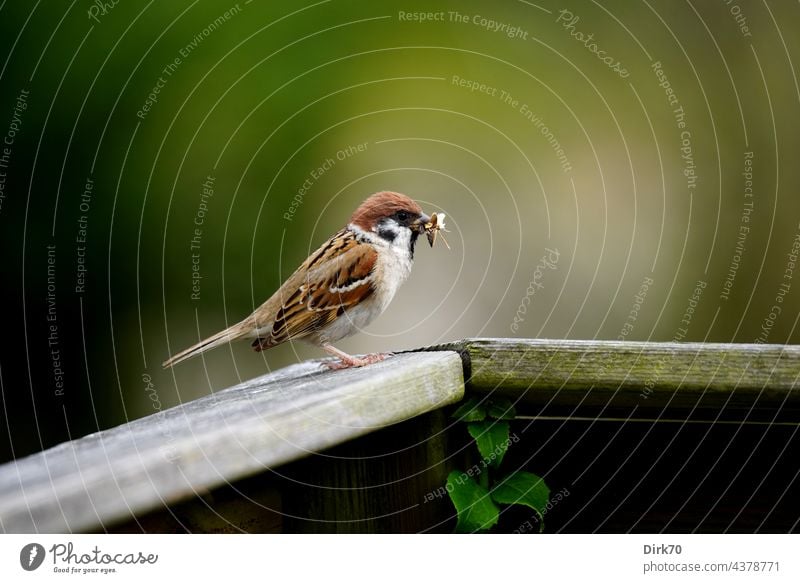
(412, 243)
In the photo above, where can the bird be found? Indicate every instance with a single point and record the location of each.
(341, 287)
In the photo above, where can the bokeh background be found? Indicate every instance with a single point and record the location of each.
(609, 170)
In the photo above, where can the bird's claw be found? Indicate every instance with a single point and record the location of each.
(356, 362)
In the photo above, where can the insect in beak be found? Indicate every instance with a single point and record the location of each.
(432, 227)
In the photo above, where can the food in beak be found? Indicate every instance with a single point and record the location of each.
(433, 226)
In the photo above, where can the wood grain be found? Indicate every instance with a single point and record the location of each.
(634, 374)
(185, 451)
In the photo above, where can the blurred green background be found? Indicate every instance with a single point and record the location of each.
(550, 134)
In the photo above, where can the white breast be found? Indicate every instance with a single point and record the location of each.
(392, 268)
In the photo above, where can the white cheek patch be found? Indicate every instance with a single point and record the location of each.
(403, 240)
(399, 242)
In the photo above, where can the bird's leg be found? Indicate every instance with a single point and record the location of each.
(347, 361)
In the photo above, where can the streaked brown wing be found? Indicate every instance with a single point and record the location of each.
(335, 277)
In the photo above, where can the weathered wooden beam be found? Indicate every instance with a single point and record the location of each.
(379, 483)
(588, 373)
(123, 472)
(187, 451)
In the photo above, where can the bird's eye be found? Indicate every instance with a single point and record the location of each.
(402, 216)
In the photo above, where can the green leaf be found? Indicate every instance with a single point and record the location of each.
(502, 408)
(492, 439)
(525, 489)
(473, 503)
(471, 410)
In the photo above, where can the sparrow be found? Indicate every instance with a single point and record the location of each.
(341, 287)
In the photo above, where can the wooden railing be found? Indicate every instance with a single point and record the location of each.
(131, 473)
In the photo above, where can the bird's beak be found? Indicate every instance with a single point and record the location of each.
(419, 225)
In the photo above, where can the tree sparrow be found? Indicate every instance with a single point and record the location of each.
(341, 287)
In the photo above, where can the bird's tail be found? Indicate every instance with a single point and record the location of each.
(235, 332)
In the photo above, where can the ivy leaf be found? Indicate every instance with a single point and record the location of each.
(492, 439)
(526, 489)
(473, 503)
(471, 410)
(502, 408)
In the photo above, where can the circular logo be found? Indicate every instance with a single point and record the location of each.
(31, 556)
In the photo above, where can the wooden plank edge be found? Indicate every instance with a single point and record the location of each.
(17, 512)
(776, 389)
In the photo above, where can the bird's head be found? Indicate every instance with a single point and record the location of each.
(394, 217)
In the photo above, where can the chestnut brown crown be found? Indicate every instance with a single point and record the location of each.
(381, 205)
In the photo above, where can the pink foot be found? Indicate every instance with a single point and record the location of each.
(355, 362)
